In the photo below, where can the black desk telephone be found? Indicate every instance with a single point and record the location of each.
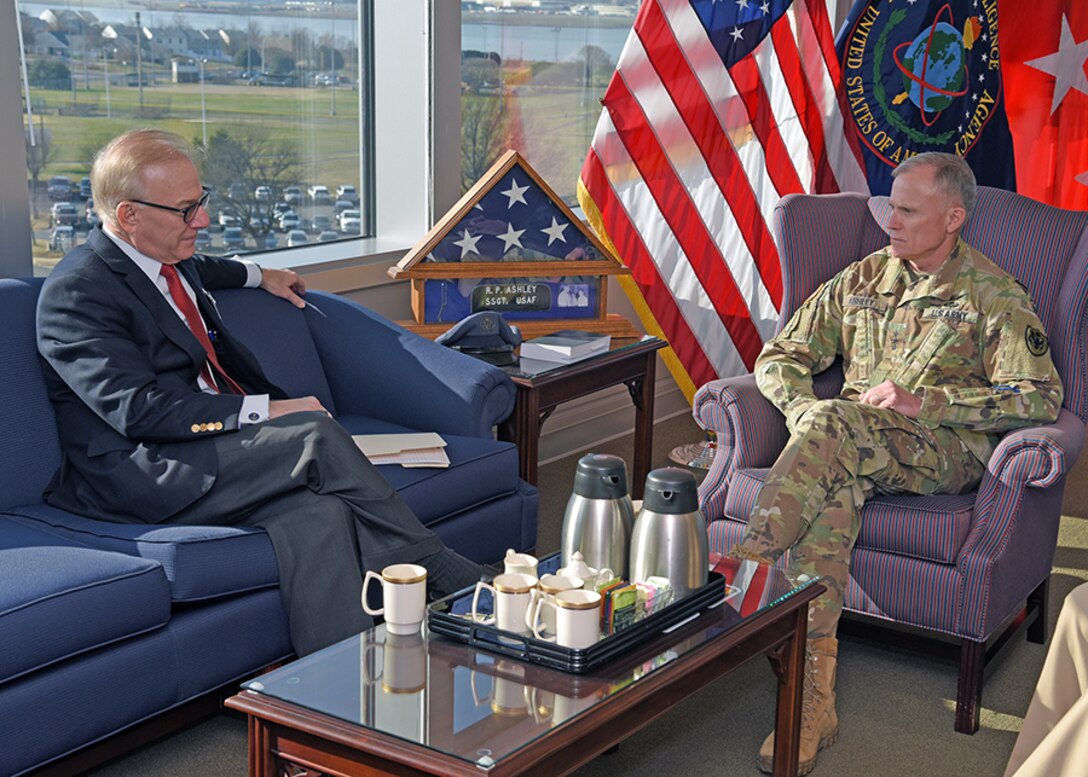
(485, 335)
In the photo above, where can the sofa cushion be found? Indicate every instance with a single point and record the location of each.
(59, 598)
(31, 451)
(277, 334)
(481, 469)
(933, 528)
(200, 562)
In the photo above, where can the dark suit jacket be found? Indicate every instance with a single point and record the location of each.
(121, 368)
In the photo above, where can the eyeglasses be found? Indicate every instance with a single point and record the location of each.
(188, 213)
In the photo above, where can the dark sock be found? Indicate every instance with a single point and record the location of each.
(448, 572)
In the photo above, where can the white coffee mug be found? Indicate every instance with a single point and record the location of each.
(519, 562)
(577, 618)
(511, 592)
(548, 587)
(404, 597)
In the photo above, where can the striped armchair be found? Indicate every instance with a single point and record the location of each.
(967, 570)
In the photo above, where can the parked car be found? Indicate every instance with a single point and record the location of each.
(262, 194)
(289, 221)
(350, 226)
(341, 205)
(320, 194)
(90, 215)
(203, 240)
(65, 213)
(292, 195)
(85, 187)
(320, 223)
(271, 241)
(347, 192)
(237, 191)
(297, 237)
(347, 215)
(59, 188)
(62, 238)
(280, 207)
(228, 219)
(233, 237)
(327, 235)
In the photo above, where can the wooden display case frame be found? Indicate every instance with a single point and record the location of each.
(416, 268)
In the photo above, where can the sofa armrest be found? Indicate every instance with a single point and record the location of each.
(751, 432)
(379, 369)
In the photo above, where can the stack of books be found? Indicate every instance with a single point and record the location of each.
(566, 346)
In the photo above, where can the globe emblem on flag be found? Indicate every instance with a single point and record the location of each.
(934, 65)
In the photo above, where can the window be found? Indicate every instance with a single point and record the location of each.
(277, 99)
(531, 78)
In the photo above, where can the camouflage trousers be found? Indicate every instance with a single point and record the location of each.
(840, 453)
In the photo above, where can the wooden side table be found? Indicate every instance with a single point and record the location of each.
(630, 362)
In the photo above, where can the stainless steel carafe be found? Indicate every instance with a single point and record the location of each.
(599, 514)
(669, 538)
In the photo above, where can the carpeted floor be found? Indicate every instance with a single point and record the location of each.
(895, 709)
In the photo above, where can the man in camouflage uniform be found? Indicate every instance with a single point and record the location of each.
(942, 352)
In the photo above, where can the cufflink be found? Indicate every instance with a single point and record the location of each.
(254, 417)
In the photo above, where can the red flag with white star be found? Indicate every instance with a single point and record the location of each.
(1044, 47)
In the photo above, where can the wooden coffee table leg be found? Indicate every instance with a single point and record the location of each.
(261, 761)
(789, 665)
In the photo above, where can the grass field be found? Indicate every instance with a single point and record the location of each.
(329, 144)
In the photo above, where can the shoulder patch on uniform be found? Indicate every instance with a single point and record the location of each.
(1036, 341)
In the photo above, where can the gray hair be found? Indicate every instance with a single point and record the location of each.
(952, 175)
(117, 172)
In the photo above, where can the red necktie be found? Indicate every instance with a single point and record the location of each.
(196, 325)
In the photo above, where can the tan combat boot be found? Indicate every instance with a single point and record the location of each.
(819, 724)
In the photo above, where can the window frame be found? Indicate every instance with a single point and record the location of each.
(409, 143)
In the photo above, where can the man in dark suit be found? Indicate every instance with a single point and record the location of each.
(164, 417)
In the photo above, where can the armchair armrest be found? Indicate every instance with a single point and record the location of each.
(750, 433)
(1015, 525)
(1038, 455)
(377, 368)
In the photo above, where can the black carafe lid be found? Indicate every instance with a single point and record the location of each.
(600, 476)
(671, 491)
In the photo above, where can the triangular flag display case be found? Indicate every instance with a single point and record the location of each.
(511, 245)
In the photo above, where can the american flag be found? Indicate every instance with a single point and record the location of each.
(717, 109)
(515, 220)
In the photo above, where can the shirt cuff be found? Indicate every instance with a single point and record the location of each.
(934, 407)
(253, 274)
(254, 410)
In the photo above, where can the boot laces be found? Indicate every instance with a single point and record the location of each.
(810, 692)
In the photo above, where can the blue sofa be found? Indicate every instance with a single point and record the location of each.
(106, 626)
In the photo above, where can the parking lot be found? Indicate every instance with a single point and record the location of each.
(310, 215)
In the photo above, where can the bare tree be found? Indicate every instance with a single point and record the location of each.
(237, 161)
(483, 135)
(38, 157)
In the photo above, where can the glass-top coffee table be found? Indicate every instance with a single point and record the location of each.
(380, 703)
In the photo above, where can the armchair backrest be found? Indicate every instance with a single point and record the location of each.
(1044, 247)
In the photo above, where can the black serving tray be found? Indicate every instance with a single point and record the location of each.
(443, 618)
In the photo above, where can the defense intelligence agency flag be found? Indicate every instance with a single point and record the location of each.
(926, 76)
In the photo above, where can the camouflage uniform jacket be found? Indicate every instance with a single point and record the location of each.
(965, 338)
